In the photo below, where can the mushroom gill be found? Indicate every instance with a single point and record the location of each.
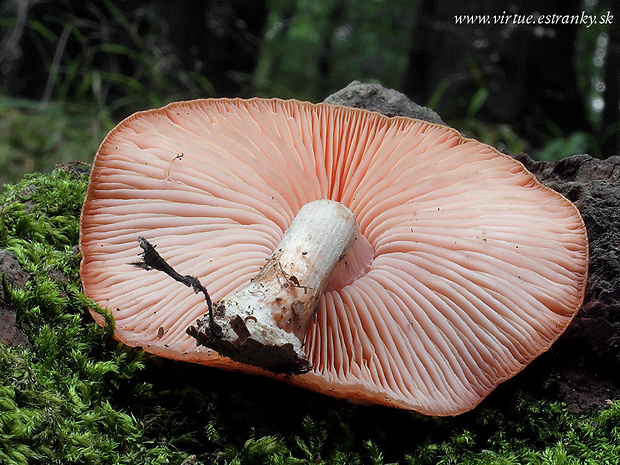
(465, 270)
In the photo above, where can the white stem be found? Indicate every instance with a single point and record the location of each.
(264, 323)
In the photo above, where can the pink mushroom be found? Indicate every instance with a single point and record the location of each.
(383, 260)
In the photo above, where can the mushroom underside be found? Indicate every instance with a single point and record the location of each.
(466, 269)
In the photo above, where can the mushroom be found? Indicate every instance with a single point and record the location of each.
(382, 260)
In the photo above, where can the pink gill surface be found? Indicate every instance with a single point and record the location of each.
(476, 268)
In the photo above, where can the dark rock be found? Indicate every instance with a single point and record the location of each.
(15, 276)
(388, 102)
(586, 390)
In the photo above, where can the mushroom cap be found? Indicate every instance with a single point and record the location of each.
(477, 267)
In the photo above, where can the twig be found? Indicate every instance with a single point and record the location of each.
(152, 260)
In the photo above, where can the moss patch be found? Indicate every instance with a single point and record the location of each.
(77, 396)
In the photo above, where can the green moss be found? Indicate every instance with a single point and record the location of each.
(57, 399)
(77, 396)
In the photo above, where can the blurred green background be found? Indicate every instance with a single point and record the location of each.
(70, 70)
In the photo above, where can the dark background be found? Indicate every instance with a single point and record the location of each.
(70, 70)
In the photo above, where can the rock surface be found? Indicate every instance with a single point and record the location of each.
(15, 276)
(388, 102)
(589, 351)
